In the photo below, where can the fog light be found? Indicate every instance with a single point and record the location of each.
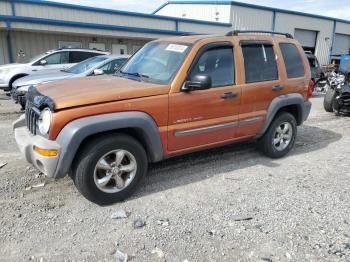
(45, 152)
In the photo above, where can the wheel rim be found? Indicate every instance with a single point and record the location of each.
(115, 171)
(283, 136)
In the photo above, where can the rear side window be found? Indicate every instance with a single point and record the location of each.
(259, 62)
(292, 60)
(76, 56)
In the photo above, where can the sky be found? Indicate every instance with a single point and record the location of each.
(334, 8)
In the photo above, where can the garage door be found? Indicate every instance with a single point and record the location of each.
(306, 38)
(341, 44)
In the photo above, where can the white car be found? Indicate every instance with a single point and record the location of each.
(51, 60)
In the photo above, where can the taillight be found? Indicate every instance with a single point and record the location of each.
(310, 88)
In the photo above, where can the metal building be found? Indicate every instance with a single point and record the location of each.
(324, 36)
(30, 27)
(34, 26)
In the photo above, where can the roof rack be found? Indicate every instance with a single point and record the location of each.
(237, 32)
(79, 48)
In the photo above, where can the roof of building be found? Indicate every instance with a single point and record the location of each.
(272, 9)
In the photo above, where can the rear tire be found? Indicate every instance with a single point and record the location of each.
(280, 137)
(329, 100)
(101, 177)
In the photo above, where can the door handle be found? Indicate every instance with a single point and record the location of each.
(228, 95)
(277, 88)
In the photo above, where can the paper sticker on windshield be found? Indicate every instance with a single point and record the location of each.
(176, 48)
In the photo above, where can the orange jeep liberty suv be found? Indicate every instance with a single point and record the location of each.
(174, 96)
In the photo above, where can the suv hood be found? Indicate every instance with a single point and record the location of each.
(36, 79)
(97, 89)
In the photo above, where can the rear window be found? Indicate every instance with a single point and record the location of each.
(259, 62)
(292, 60)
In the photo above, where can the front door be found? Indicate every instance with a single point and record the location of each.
(206, 117)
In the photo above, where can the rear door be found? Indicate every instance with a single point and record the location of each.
(205, 117)
(263, 83)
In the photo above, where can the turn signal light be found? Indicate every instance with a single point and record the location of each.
(45, 152)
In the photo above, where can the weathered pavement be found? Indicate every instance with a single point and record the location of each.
(225, 204)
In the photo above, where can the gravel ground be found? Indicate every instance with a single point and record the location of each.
(226, 204)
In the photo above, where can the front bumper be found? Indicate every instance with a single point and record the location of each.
(19, 98)
(26, 141)
(4, 86)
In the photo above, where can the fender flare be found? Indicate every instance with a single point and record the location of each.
(73, 134)
(286, 100)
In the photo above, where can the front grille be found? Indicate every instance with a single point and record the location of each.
(32, 115)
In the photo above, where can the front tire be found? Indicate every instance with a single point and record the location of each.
(280, 137)
(109, 168)
(329, 100)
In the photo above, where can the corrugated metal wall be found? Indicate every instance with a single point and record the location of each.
(33, 43)
(343, 28)
(203, 29)
(288, 23)
(250, 18)
(79, 30)
(212, 13)
(5, 8)
(244, 18)
(3, 48)
(60, 13)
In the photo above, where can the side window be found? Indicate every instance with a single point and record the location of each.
(292, 60)
(113, 66)
(218, 63)
(259, 63)
(93, 54)
(57, 58)
(77, 56)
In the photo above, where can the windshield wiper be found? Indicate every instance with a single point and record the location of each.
(134, 74)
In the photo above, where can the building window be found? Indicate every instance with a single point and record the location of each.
(292, 60)
(259, 62)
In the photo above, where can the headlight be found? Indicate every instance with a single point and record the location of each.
(4, 71)
(23, 89)
(44, 122)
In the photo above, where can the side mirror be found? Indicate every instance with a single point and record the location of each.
(43, 62)
(98, 72)
(198, 82)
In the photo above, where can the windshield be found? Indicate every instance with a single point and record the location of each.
(85, 65)
(156, 62)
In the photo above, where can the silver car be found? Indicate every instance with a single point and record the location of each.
(98, 65)
(52, 60)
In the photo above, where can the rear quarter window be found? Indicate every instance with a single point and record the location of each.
(259, 62)
(292, 60)
(78, 56)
